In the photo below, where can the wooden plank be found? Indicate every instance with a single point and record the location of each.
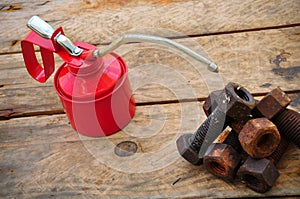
(172, 118)
(42, 157)
(67, 169)
(159, 74)
(98, 22)
(147, 118)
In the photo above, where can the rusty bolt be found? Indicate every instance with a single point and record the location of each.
(210, 102)
(288, 123)
(237, 107)
(238, 124)
(234, 101)
(272, 104)
(223, 159)
(259, 137)
(261, 174)
(186, 151)
(189, 145)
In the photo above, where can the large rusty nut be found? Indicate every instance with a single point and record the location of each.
(210, 102)
(273, 103)
(258, 174)
(235, 101)
(222, 160)
(259, 137)
(185, 150)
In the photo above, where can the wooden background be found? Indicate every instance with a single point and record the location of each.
(255, 43)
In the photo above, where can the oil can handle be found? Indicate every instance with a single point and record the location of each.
(33, 66)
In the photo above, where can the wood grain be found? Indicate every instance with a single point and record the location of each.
(148, 119)
(159, 74)
(255, 43)
(43, 157)
(95, 21)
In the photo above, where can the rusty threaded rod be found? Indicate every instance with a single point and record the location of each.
(214, 124)
(288, 124)
(278, 153)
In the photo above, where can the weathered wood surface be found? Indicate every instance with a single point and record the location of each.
(95, 21)
(43, 156)
(160, 74)
(255, 43)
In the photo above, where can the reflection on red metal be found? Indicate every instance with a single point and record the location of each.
(95, 92)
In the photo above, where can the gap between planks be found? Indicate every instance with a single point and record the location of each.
(164, 102)
(193, 36)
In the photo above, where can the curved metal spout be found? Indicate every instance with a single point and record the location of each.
(127, 38)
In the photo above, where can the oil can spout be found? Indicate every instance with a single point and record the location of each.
(128, 38)
(46, 31)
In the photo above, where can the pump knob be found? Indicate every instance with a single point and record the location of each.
(46, 31)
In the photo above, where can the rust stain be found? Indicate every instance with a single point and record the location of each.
(10, 8)
(282, 57)
(221, 138)
(287, 73)
(217, 152)
(14, 42)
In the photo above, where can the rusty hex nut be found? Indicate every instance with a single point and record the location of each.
(259, 137)
(185, 150)
(222, 160)
(235, 101)
(258, 174)
(210, 102)
(273, 103)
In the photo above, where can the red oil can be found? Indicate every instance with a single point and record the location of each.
(95, 92)
(92, 83)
